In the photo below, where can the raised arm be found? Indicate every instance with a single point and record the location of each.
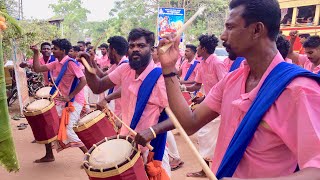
(190, 121)
(36, 63)
(97, 85)
(293, 55)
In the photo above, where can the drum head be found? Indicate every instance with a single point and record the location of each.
(38, 105)
(89, 117)
(44, 92)
(110, 153)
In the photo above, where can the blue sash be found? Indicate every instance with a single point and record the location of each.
(62, 72)
(52, 58)
(144, 93)
(271, 89)
(112, 89)
(236, 64)
(190, 70)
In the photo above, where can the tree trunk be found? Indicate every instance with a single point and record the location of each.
(8, 157)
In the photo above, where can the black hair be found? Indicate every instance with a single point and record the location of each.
(312, 42)
(45, 44)
(87, 43)
(283, 45)
(120, 44)
(266, 11)
(63, 44)
(210, 42)
(104, 45)
(81, 42)
(76, 48)
(305, 35)
(192, 47)
(89, 48)
(140, 32)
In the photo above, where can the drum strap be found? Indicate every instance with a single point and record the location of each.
(112, 89)
(52, 58)
(144, 94)
(60, 76)
(271, 89)
(190, 70)
(236, 64)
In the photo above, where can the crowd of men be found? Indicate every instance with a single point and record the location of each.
(257, 118)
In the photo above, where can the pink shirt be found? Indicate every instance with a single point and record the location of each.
(210, 72)
(228, 63)
(302, 59)
(65, 84)
(45, 74)
(117, 102)
(288, 60)
(103, 61)
(308, 65)
(185, 67)
(125, 76)
(289, 132)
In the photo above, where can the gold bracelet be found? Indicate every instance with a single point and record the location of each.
(154, 133)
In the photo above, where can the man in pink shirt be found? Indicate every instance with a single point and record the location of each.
(297, 58)
(286, 135)
(104, 61)
(312, 49)
(130, 76)
(190, 52)
(117, 50)
(210, 71)
(46, 58)
(60, 50)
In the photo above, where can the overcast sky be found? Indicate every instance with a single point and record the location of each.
(39, 9)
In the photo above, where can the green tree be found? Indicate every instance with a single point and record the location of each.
(75, 18)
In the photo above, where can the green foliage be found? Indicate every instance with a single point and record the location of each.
(75, 18)
(129, 14)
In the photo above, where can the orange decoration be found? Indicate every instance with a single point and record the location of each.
(2, 19)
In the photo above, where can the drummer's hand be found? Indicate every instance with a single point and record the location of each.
(23, 64)
(34, 49)
(293, 34)
(87, 56)
(63, 98)
(144, 137)
(118, 124)
(198, 100)
(169, 58)
(101, 105)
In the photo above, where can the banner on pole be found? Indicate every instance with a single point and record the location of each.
(170, 20)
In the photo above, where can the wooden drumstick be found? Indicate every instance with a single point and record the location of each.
(55, 84)
(86, 65)
(128, 127)
(203, 164)
(164, 48)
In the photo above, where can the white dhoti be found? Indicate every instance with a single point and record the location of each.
(72, 138)
(207, 138)
(172, 146)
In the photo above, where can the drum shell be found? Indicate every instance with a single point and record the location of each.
(137, 172)
(49, 96)
(45, 126)
(131, 169)
(101, 128)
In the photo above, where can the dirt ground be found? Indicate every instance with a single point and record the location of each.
(67, 163)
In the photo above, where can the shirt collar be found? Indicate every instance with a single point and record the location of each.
(252, 94)
(64, 59)
(145, 73)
